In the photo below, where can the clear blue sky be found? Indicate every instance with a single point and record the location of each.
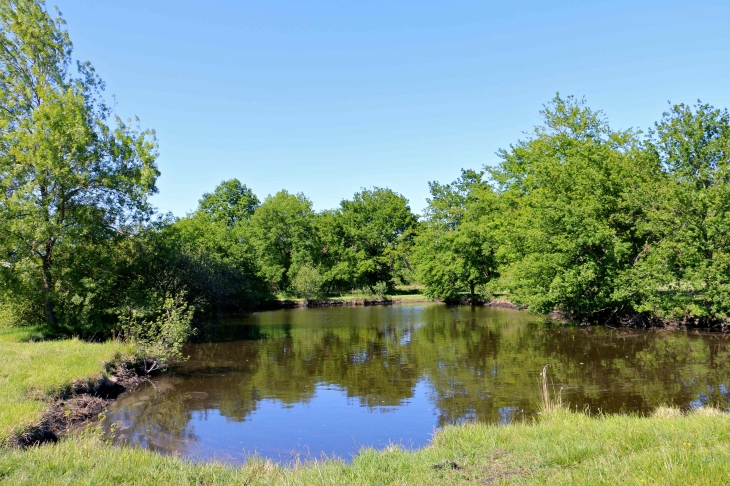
(326, 97)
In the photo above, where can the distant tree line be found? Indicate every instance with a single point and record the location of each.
(577, 218)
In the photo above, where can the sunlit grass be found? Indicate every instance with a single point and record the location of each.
(561, 448)
(33, 372)
(400, 295)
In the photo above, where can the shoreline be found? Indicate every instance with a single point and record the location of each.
(562, 447)
(83, 402)
(360, 302)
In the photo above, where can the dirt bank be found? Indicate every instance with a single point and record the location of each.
(84, 401)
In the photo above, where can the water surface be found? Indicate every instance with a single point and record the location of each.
(303, 382)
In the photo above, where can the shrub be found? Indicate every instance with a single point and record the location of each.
(159, 342)
(307, 283)
(380, 289)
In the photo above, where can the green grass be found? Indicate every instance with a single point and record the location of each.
(396, 297)
(401, 294)
(31, 373)
(561, 448)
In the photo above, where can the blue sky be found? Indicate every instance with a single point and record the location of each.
(328, 97)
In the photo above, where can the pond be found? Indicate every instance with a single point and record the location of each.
(299, 383)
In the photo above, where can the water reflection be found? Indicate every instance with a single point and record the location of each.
(303, 382)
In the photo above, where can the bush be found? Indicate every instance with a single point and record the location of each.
(307, 283)
(159, 342)
(380, 289)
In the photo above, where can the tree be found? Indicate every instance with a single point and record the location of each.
(573, 195)
(159, 342)
(455, 251)
(377, 227)
(281, 232)
(307, 282)
(66, 175)
(230, 202)
(683, 271)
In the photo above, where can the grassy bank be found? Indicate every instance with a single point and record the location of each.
(562, 448)
(32, 373)
(353, 298)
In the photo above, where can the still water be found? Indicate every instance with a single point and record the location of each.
(306, 382)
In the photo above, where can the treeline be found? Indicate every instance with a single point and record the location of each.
(577, 218)
(594, 223)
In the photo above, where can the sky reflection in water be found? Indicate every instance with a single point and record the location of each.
(303, 382)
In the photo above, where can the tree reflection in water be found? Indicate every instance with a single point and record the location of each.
(458, 363)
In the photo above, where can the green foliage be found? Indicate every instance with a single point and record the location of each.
(380, 289)
(307, 283)
(158, 341)
(455, 251)
(577, 218)
(683, 271)
(231, 202)
(573, 196)
(282, 236)
(67, 178)
(375, 231)
(213, 262)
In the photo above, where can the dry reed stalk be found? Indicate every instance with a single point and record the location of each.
(548, 405)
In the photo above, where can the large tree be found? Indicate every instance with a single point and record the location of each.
(376, 227)
(230, 202)
(683, 272)
(281, 232)
(455, 251)
(573, 193)
(69, 169)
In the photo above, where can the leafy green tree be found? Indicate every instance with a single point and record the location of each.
(455, 251)
(330, 255)
(213, 264)
(66, 175)
(230, 202)
(574, 193)
(307, 282)
(683, 271)
(209, 254)
(282, 235)
(377, 228)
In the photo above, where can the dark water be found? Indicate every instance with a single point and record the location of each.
(303, 382)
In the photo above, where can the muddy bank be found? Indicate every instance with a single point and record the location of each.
(83, 401)
(292, 304)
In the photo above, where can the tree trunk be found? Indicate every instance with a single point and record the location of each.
(49, 306)
(472, 288)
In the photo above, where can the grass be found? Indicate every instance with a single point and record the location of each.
(403, 293)
(396, 297)
(32, 373)
(561, 448)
